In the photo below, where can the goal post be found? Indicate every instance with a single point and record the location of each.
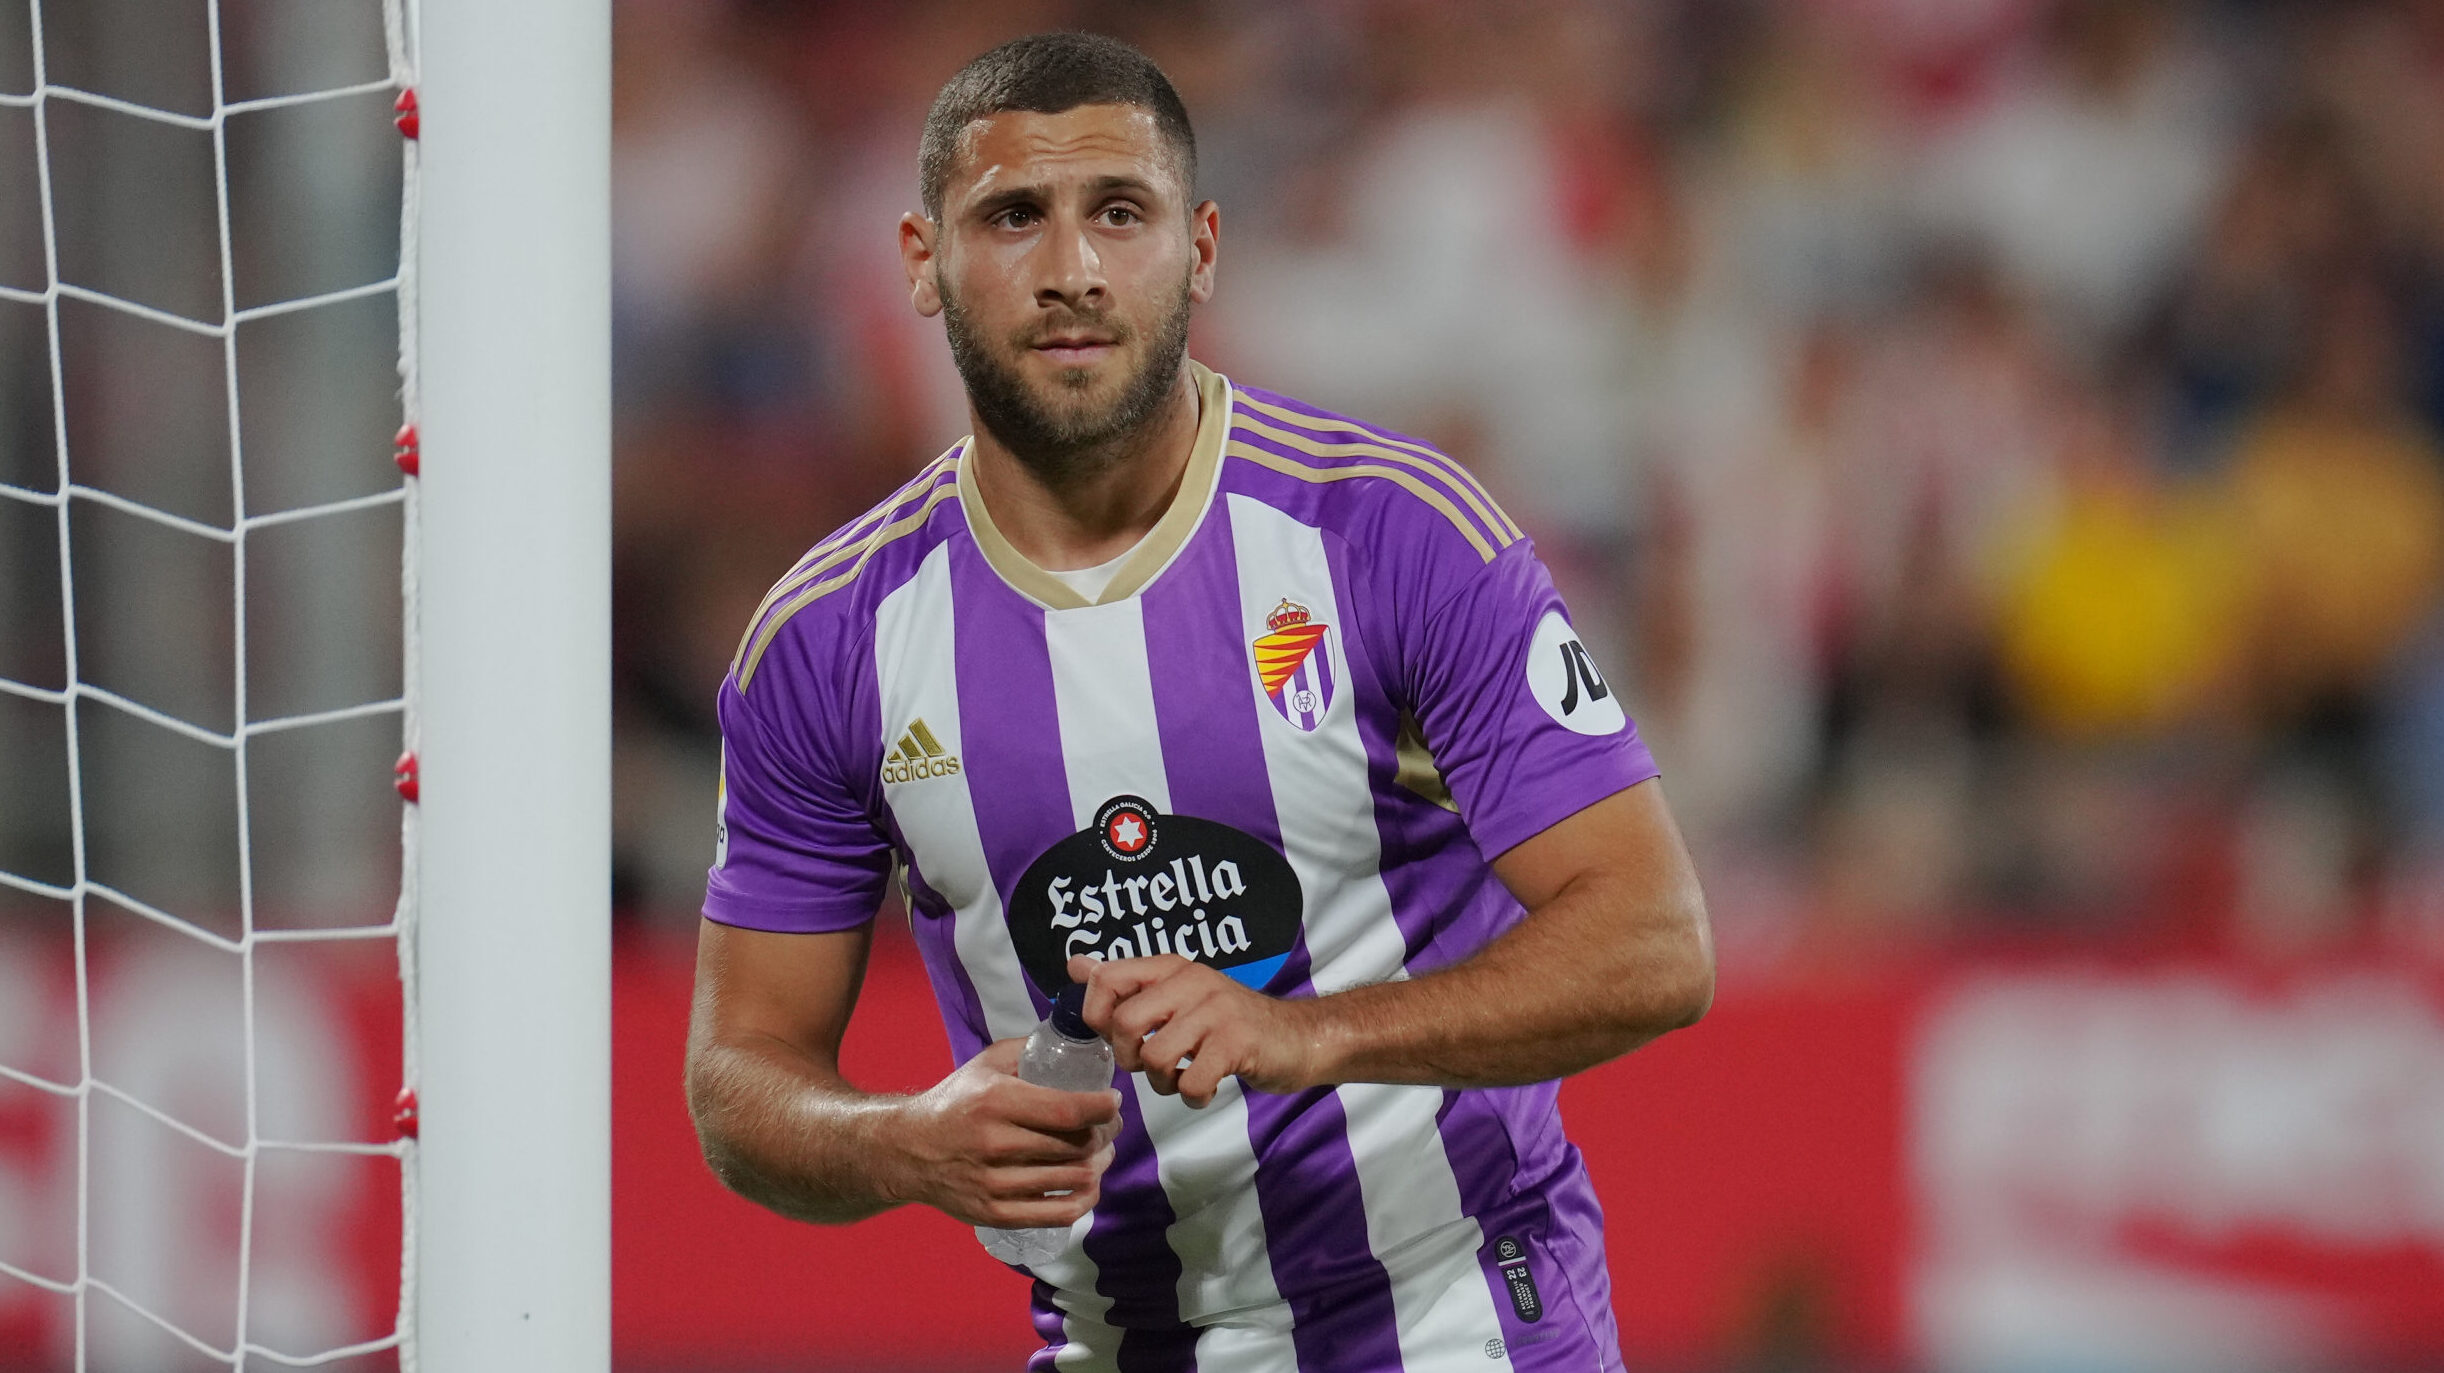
(510, 382)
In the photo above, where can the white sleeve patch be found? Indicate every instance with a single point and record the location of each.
(1562, 678)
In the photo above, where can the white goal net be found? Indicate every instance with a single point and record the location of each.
(207, 659)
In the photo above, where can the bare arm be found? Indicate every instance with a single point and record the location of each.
(782, 1127)
(1613, 952)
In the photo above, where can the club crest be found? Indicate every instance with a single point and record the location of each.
(1294, 664)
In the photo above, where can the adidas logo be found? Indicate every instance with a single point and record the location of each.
(918, 756)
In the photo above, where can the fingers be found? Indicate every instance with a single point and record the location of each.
(1009, 1187)
(1181, 1037)
(1079, 1122)
(1198, 1082)
(1111, 982)
(1005, 1145)
(1021, 1203)
(1195, 1052)
(995, 1145)
(1145, 1011)
(1028, 1214)
(1020, 1196)
(1002, 1054)
(1052, 1111)
(1031, 1184)
(1162, 1016)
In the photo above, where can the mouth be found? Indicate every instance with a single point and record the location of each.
(1075, 349)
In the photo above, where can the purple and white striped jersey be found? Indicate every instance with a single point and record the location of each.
(1330, 685)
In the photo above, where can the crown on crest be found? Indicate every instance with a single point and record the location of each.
(1286, 614)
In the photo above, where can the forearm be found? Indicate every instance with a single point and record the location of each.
(1594, 973)
(784, 1131)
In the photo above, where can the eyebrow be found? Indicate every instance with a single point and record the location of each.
(1039, 194)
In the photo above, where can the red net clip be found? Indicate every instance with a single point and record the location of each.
(403, 1113)
(404, 452)
(405, 772)
(404, 113)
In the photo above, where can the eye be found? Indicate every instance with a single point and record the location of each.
(1120, 216)
(1016, 217)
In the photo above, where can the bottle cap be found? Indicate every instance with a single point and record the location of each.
(1069, 1012)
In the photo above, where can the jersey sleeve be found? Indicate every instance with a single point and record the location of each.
(1523, 725)
(797, 850)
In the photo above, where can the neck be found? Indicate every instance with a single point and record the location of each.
(1102, 512)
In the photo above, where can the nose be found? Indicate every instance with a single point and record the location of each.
(1072, 269)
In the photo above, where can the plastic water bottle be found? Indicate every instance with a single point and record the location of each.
(1065, 1055)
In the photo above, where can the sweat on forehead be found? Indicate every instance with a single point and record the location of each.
(1048, 73)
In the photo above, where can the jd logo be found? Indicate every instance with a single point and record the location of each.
(1579, 670)
(1137, 882)
(1562, 677)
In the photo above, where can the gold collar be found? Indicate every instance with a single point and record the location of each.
(1161, 543)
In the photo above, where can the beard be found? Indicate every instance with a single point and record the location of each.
(1066, 443)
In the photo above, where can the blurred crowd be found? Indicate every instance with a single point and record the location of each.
(1995, 442)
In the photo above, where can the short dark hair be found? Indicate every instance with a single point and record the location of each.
(1047, 73)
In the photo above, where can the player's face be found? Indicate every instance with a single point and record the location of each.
(1065, 266)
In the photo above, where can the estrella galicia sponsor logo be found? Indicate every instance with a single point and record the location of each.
(1512, 1256)
(917, 756)
(1562, 677)
(1138, 882)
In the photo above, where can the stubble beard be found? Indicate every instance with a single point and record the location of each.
(1064, 446)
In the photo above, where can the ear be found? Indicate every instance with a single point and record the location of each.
(919, 240)
(1205, 238)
